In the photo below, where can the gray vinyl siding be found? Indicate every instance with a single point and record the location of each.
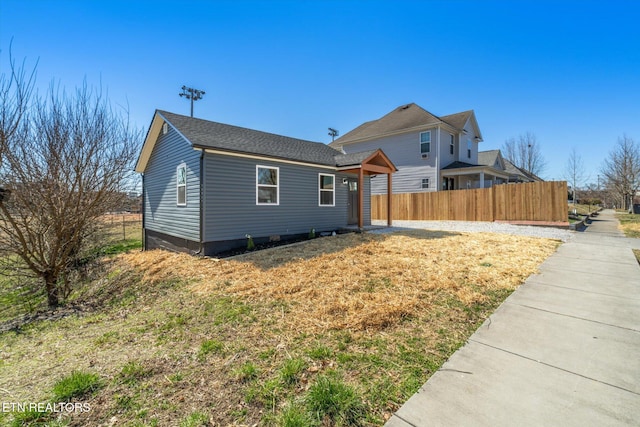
(230, 210)
(404, 151)
(162, 214)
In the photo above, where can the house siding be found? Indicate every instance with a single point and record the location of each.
(161, 212)
(231, 212)
(404, 151)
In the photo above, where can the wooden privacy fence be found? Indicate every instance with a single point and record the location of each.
(535, 201)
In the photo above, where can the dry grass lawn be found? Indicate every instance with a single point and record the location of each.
(215, 338)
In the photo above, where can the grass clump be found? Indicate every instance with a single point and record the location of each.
(329, 399)
(295, 416)
(320, 352)
(133, 372)
(209, 347)
(195, 419)
(247, 372)
(76, 385)
(291, 370)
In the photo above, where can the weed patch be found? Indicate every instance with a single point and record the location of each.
(76, 385)
(329, 399)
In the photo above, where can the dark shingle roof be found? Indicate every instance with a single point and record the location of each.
(459, 165)
(208, 134)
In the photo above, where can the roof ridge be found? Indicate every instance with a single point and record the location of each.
(242, 128)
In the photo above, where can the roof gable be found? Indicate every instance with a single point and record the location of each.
(406, 118)
(491, 158)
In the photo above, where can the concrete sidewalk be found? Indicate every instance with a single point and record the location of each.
(563, 349)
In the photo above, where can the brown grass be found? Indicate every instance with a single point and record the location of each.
(360, 282)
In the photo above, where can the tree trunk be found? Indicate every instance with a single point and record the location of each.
(52, 290)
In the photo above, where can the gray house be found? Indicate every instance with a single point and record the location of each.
(432, 153)
(208, 185)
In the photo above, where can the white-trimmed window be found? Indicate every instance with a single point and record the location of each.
(425, 142)
(451, 145)
(267, 185)
(468, 148)
(425, 182)
(326, 189)
(181, 184)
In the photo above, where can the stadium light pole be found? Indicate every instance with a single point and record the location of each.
(192, 94)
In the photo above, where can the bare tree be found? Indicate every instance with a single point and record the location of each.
(575, 173)
(524, 152)
(622, 170)
(16, 88)
(64, 160)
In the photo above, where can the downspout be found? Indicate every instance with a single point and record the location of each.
(199, 252)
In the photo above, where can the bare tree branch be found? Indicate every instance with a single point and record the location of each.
(622, 170)
(65, 161)
(575, 173)
(524, 152)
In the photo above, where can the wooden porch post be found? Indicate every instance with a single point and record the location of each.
(389, 200)
(360, 197)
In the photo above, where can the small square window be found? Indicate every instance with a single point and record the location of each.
(425, 182)
(425, 142)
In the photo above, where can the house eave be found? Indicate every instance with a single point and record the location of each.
(262, 157)
(474, 170)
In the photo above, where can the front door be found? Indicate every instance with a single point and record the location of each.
(353, 201)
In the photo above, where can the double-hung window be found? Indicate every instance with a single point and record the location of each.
(468, 148)
(451, 144)
(425, 182)
(267, 185)
(326, 189)
(425, 142)
(181, 184)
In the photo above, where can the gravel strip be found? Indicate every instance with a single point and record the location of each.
(486, 227)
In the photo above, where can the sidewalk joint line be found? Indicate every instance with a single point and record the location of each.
(576, 317)
(556, 367)
(533, 281)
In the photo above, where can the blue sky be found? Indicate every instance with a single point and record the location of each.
(568, 71)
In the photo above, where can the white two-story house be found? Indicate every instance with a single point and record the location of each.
(431, 153)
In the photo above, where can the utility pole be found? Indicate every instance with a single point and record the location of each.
(192, 94)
